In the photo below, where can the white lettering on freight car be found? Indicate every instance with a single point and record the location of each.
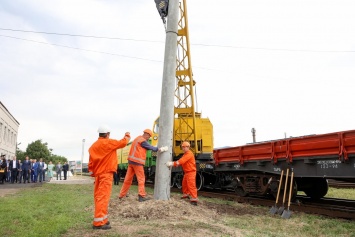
(276, 169)
(236, 166)
(328, 164)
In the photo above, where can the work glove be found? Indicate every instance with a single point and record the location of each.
(169, 164)
(127, 136)
(163, 148)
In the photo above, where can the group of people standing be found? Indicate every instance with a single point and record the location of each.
(103, 162)
(28, 171)
(59, 168)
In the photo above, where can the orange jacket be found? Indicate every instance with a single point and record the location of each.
(103, 156)
(187, 161)
(137, 153)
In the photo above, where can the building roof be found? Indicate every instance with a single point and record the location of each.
(9, 112)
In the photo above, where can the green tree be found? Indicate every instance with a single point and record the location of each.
(38, 149)
(20, 155)
(56, 158)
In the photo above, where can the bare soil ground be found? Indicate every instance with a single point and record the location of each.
(152, 218)
(174, 217)
(9, 188)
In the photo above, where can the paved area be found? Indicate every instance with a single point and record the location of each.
(9, 188)
(74, 180)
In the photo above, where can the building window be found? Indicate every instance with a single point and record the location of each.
(0, 132)
(5, 134)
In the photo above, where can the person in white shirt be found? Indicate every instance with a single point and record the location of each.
(14, 167)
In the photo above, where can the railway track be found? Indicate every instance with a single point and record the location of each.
(340, 184)
(331, 207)
(336, 208)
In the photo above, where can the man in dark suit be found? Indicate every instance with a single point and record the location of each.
(26, 167)
(41, 170)
(58, 170)
(116, 177)
(65, 170)
(4, 169)
(8, 173)
(34, 171)
(19, 173)
(14, 167)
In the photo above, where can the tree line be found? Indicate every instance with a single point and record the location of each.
(37, 150)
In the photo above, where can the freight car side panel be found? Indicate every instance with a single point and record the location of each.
(326, 155)
(318, 145)
(328, 145)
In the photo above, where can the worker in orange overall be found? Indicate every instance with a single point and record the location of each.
(102, 164)
(187, 161)
(136, 160)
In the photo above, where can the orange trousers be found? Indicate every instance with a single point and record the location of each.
(132, 170)
(189, 186)
(102, 193)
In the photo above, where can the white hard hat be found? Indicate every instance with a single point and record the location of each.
(104, 129)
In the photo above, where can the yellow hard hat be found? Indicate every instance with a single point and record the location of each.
(148, 131)
(187, 144)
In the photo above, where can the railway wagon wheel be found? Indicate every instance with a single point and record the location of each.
(274, 188)
(172, 182)
(319, 188)
(199, 180)
(240, 191)
(177, 180)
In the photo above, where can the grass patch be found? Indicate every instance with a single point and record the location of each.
(344, 193)
(46, 211)
(67, 210)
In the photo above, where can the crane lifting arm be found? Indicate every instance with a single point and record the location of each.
(188, 124)
(184, 91)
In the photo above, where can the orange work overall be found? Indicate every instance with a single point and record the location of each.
(137, 154)
(188, 163)
(103, 163)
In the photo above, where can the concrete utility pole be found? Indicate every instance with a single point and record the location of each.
(253, 131)
(82, 157)
(166, 120)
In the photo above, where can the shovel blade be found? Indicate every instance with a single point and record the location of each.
(273, 210)
(280, 211)
(286, 214)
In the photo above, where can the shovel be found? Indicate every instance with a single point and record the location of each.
(274, 209)
(281, 209)
(287, 213)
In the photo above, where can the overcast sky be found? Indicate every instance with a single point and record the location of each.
(282, 67)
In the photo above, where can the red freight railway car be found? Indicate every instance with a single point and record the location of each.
(256, 168)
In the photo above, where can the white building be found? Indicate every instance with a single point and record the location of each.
(8, 132)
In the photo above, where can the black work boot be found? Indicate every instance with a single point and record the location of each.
(142, 199)
(102, 227)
